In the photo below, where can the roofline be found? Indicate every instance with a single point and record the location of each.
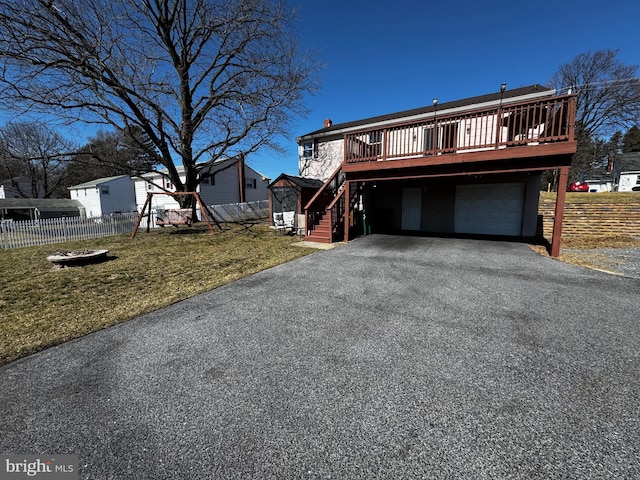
(97, 181)
(427, 112)
(214, 166)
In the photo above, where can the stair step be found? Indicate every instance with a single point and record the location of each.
(315, 238)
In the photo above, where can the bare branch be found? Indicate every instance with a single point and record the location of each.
(201, 79)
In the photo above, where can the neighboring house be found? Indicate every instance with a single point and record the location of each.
(629, 182)
(224, 182)
(39, 208)
(467, 167)
(627, 169)
(104, 196)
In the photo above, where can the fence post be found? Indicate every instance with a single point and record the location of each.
(65, 229)
(5, 236)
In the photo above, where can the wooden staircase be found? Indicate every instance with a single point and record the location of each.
(324, 214)
(327, 212)
(321, 231)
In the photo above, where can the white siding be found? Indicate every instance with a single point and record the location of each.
(479, 131)
(120, 198)
(157, 201)
(97, 202)
(629, 181)
(89, 198)
(329, 157)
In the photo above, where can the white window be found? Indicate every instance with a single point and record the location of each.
(307, 149)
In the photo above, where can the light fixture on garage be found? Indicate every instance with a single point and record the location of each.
(503, 87)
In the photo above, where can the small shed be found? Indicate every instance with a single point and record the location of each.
(39, 208)
(290, 193)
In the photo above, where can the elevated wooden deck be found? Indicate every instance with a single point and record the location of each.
(518, 131)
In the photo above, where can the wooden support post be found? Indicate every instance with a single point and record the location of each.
(556, 237)
(149, 196)
(241, 179)
(147, 201)
(347, 208)
(205, 212)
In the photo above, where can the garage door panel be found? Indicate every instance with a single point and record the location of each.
(491, 209)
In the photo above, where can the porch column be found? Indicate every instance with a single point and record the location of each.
(347, 207)
(556, 237)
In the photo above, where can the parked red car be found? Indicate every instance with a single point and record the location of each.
(578, 187)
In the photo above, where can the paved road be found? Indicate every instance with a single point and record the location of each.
(389, 357)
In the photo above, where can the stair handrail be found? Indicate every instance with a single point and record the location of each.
(339, 193)
(323, 188)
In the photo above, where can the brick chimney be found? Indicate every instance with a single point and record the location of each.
(327, 123)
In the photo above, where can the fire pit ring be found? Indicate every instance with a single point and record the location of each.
(76, 257)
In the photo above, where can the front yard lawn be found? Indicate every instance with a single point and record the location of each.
(41, 306)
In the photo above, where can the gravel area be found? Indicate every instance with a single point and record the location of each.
(623, 261)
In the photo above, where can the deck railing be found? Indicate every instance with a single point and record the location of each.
(518, 124)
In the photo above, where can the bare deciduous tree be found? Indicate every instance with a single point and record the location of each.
(201, 79)
(34, 159)
(608, 92)
(608, 99)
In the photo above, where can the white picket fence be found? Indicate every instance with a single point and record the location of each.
(47, 231)
(30, 233)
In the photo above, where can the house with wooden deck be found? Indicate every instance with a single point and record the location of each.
(466, 167)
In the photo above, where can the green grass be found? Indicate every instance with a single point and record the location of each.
(41, 306)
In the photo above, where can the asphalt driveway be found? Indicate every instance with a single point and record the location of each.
(389, 357)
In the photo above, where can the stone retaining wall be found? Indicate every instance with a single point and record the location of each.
(588, 219)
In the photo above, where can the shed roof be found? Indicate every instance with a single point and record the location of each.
(44, 204)
(300, 181)
(96, 182)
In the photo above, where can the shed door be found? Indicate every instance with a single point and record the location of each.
(411, 208)
(492, 209)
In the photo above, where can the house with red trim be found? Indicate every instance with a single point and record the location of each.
(465, 167)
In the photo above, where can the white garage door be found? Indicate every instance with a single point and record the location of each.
(492, 209)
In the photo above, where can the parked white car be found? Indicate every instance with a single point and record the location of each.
(597, 186)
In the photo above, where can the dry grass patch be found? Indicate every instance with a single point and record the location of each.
(41, 306)
(580, 250)
(597, 198)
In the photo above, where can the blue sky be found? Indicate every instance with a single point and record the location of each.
(386, 56)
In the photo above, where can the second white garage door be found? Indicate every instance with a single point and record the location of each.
(491, 209)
